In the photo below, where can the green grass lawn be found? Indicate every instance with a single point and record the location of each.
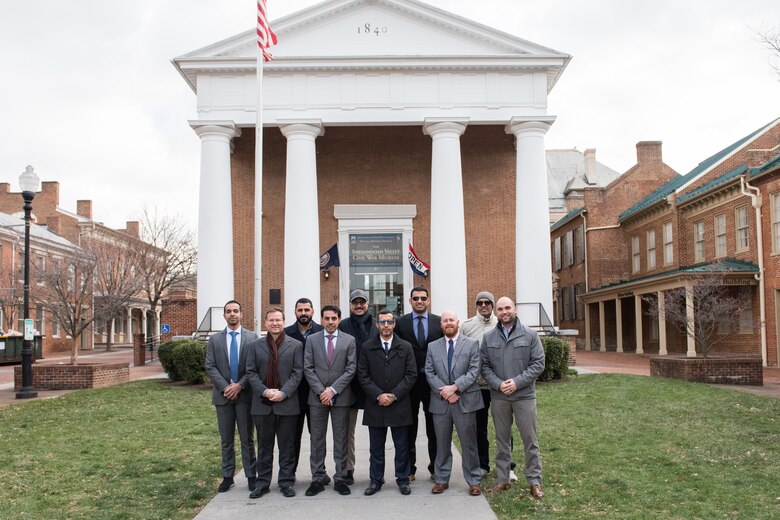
(612, 447)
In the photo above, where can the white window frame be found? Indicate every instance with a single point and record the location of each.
(650, 238)
(698, 241)
(719, 230)
(636, 259)
(742, 234)
(668, 237)
(775, 197)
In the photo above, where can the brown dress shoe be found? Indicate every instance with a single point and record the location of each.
(439, 488)
(500, 487)
(536, 491)
(475, 490)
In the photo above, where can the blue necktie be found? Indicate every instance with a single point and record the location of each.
(233, 357)
(450, 352)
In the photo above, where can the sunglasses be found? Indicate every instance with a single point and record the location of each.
(385, 322)
(358, 302)
(483, 303)
(419, 298)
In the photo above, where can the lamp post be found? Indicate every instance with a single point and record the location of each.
(28, 182)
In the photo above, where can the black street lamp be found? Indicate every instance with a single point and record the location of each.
(28, 182)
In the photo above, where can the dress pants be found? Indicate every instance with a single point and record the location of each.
(339, 420)
(421, 393)
(353, 416)
(279, 428)
(377, 435)
(483, 443)
(523, 412)
(466, 426)
(303, 418)
(228, 416)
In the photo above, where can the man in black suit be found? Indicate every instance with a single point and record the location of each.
(361, 326)
(419, 328)
(303, 327)
(387, 371)
(231, 395)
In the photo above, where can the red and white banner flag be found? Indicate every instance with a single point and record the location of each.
(265, 36)
(419, 267)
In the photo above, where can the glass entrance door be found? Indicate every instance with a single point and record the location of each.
(375, 265)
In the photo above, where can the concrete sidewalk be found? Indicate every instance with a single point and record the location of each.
(454, 503)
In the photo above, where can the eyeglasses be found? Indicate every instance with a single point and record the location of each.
(358, 302)
(385, 322)
(419, 298)
(483, 303)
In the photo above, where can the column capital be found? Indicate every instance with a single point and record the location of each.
(226, 129)
(525, 124)
(301, 128)
(441, 126)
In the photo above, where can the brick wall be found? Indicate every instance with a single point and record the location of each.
(74, 377)
(729, 371)
(181, 313)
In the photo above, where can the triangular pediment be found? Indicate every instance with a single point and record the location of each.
(338, 32)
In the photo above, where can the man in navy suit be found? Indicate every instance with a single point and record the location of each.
(226, 355)
(419, 328)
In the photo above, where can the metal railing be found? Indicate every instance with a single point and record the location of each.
(532, 314)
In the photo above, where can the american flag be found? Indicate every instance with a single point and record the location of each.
(265, 36)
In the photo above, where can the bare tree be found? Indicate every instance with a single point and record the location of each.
(11, 299)
(770, 38)
(171, 259)
(67, 292)
(712, 305)
(118, 278)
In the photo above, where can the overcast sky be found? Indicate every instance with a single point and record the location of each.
(89, 97)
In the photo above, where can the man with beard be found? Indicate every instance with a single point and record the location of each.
(419, 328)
(452, 368)
(361, 326)
(226, 356)
(303, 327)
(275, 369)
(387, 371)
(512, 359)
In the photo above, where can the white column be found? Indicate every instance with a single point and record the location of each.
(638, 323)
(587, 327)
(301, 216)
(129, 330)
(532, 214)
(157, 313)
(691, 321)
(661, 324)
(602, 328)
(215, 215)
(448, 228)
(619, 324)
(143, 323)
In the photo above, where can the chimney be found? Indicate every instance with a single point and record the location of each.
(591, 171)
(51, 189)
(84, 208)
(5, 187)
(53, 223)
(648, 152)
(133, 228)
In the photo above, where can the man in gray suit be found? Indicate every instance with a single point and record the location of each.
(226, 356)
(512, 359)
(452, 368)
(275, 369)
(329, 365)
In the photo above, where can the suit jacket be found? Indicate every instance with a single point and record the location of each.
(406, 328)
(339, 374)
(348, 325)
(218, 366)
(290, 369)
(395, 373)
(295, 333)
(465, 371)
(519, 357)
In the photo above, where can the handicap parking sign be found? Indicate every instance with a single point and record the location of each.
(165, 328)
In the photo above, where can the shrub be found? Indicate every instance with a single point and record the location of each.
(165, 354)
(189, 357)
(556, 358)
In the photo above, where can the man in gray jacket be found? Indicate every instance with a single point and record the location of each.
(512, 359)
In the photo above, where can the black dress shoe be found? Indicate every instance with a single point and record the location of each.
(405, 489)
(342, 488)
(225, 485)
(350, 480)
(258, 492)
(287, 491)
(315, 488)
(370, 490)
(252, 483)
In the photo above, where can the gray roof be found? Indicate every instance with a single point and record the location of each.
(566, 169)
(37, 232)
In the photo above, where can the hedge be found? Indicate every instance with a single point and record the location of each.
(184, 360)
(165, 354)
(556, 358)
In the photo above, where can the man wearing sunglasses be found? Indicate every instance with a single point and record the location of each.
(419, 328)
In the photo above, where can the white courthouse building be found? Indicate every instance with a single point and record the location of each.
(385, 123)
